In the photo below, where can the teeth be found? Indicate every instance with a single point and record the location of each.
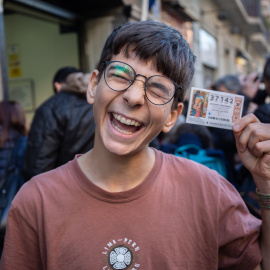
(120, 130)
(126, 121)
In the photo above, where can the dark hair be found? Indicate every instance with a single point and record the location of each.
(187, 133)
(231, 82)
(12, 118)
(157, 41)
(62, 73)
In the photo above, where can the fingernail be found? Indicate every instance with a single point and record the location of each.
(236, 127)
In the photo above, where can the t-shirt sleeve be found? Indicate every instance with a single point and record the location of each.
(238, 231)
(22, 250)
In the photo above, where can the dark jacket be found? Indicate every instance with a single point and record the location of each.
(6, 151)
(263, 113)
(63, 126)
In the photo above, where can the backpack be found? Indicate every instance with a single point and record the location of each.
(213, 159)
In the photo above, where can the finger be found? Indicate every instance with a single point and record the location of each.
(244, 121)
(248, 137)
(261, 148)
(242, 130)
(242, 78)
(259, 141)
(251, 77)
(257, 83)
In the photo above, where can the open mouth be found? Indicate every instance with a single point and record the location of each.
(124, 125)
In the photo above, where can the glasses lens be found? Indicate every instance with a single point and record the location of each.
(159, 89)
(119, 76)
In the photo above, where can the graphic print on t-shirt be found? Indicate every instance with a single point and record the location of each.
(121, 254)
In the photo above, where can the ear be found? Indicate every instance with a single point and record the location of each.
(92, 87)
(57, 86)
(173, 118)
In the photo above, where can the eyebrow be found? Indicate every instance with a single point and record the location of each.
(160, 86)
(119, 69)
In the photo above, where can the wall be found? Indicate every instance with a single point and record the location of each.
(42, 50)
(97, 31)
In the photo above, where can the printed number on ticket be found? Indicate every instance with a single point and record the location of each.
(214, 108)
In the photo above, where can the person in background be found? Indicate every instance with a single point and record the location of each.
(12, 133)
(63, 126)
(254, 96)
(228, 84)
(12, 127)
(263, 110)
(186, 133)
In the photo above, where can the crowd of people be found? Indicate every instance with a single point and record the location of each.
(103, 186)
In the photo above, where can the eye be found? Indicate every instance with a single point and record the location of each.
(158, 87)
(119, 72)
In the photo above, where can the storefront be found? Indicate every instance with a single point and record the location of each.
(40, 37)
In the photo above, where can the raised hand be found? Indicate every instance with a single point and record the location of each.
(253, 145)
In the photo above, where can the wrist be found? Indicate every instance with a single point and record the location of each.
(262, 185)
(263, 199)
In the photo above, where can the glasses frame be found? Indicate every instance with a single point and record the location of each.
(176, 87)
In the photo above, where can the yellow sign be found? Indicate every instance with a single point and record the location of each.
(14, 65)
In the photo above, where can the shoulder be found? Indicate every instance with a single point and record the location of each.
(53, 102)
(55, 107)
(199, 184)
(42, 188)
(194, 178)
(183, 165)
(186, 171)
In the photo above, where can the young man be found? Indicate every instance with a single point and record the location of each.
(124, 205)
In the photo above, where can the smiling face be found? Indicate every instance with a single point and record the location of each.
(126, 121)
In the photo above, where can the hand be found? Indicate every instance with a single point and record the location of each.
(253, 145)
(250, 86)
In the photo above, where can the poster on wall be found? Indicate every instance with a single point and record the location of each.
(14, 64)
(22, 91)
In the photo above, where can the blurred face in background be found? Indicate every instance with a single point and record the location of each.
(223, 88)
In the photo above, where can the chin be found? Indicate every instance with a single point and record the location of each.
(122, 150)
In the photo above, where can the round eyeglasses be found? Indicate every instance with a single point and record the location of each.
(159, 90)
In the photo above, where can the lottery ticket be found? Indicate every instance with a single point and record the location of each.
(214, 108)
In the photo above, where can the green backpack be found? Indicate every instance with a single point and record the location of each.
(212, 159)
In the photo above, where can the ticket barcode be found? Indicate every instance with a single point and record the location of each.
(217, 118)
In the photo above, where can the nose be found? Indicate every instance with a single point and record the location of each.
(135, 94)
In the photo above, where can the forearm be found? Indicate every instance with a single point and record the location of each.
(253, 145)
(265, 238)
(263, 193)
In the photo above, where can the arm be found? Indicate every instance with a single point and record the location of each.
(250, 87)
(253, 145)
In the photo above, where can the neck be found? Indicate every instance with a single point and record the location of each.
(116, 173)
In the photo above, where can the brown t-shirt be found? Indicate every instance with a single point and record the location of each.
(182, 216)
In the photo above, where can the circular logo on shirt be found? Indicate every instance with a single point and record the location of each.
(120, 257)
